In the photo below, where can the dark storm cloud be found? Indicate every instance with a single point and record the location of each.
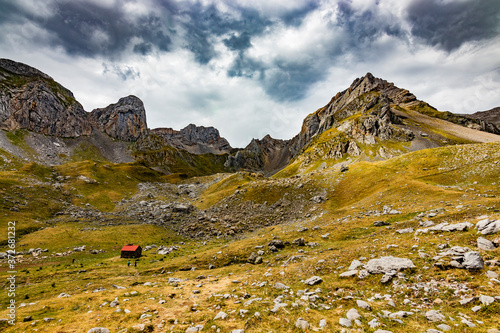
(289, 80)
(87, 29)
(238, 43)
(363, 27)
(296, 16)
(448, 25)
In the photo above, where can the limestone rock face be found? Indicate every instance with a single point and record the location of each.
(268, 154)
(125, 120)
(32, 100)
(195, 139)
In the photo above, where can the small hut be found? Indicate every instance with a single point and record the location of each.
(131, 251)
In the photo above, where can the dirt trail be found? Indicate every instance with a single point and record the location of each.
(454, 129)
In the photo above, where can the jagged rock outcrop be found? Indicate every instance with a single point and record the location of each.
(195, 139)
(491, 116)
(364, 94)
(268, 155)
(124, 120)
(32, 100)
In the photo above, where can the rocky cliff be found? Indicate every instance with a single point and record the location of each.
(268, 155)
(124, 120)
(32, 100)
(195, 139)
(490, 116)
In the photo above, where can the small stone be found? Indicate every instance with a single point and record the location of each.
(322, 323)
(492, 275)
(354, 265)
(374, 323)
(353, 314)
(363, 305)
(349, 273)
(468, 300)
(476, 308)
(98, 330)
(444, 327)
(221, 315)
(313, 280)
(302, 324)
(434, 316)
(486, 300)
(345, 322)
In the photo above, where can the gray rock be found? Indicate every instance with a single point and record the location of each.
(485, 244)
(98, 330)
(473, 261)
(279, 285)
(476, 308)
(345, 322)
(277, 243)
(221, 315)
(363, 305)
(444, 327)
(374, 323)
(349, 273)
(353, 314)
(380, 223)
(363, 274)
(469, 300)
(313, 280)
(238, 331)
(385, 265)
(322, 323)
(194, 329)
(299, 241)
(355, 264)
(486, 300)
(301, 324)
(434, 316)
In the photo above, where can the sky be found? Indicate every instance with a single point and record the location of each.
(256, 67)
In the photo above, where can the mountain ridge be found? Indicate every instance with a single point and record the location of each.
(361, 122)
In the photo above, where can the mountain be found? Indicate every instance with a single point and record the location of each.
(371, 120)
(267, 155)
(490, 116)
(32, 100)
(195, 139)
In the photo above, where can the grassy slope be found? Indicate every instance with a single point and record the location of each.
(439, 178)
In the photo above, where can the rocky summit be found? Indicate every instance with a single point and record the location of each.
(125, 120)
(381, 215)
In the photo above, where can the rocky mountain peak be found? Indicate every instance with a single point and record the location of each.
(30, 99)
(124, 120)
(195, 139)
(19, 68)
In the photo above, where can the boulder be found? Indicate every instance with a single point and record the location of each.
(313, 280)
(434, 316)
(385, 265)
(302, 324)
(299, 241)
(485, 244)
(277, 243)
(473, 261)
(98, 330)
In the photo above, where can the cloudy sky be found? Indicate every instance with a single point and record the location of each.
(253, 67)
